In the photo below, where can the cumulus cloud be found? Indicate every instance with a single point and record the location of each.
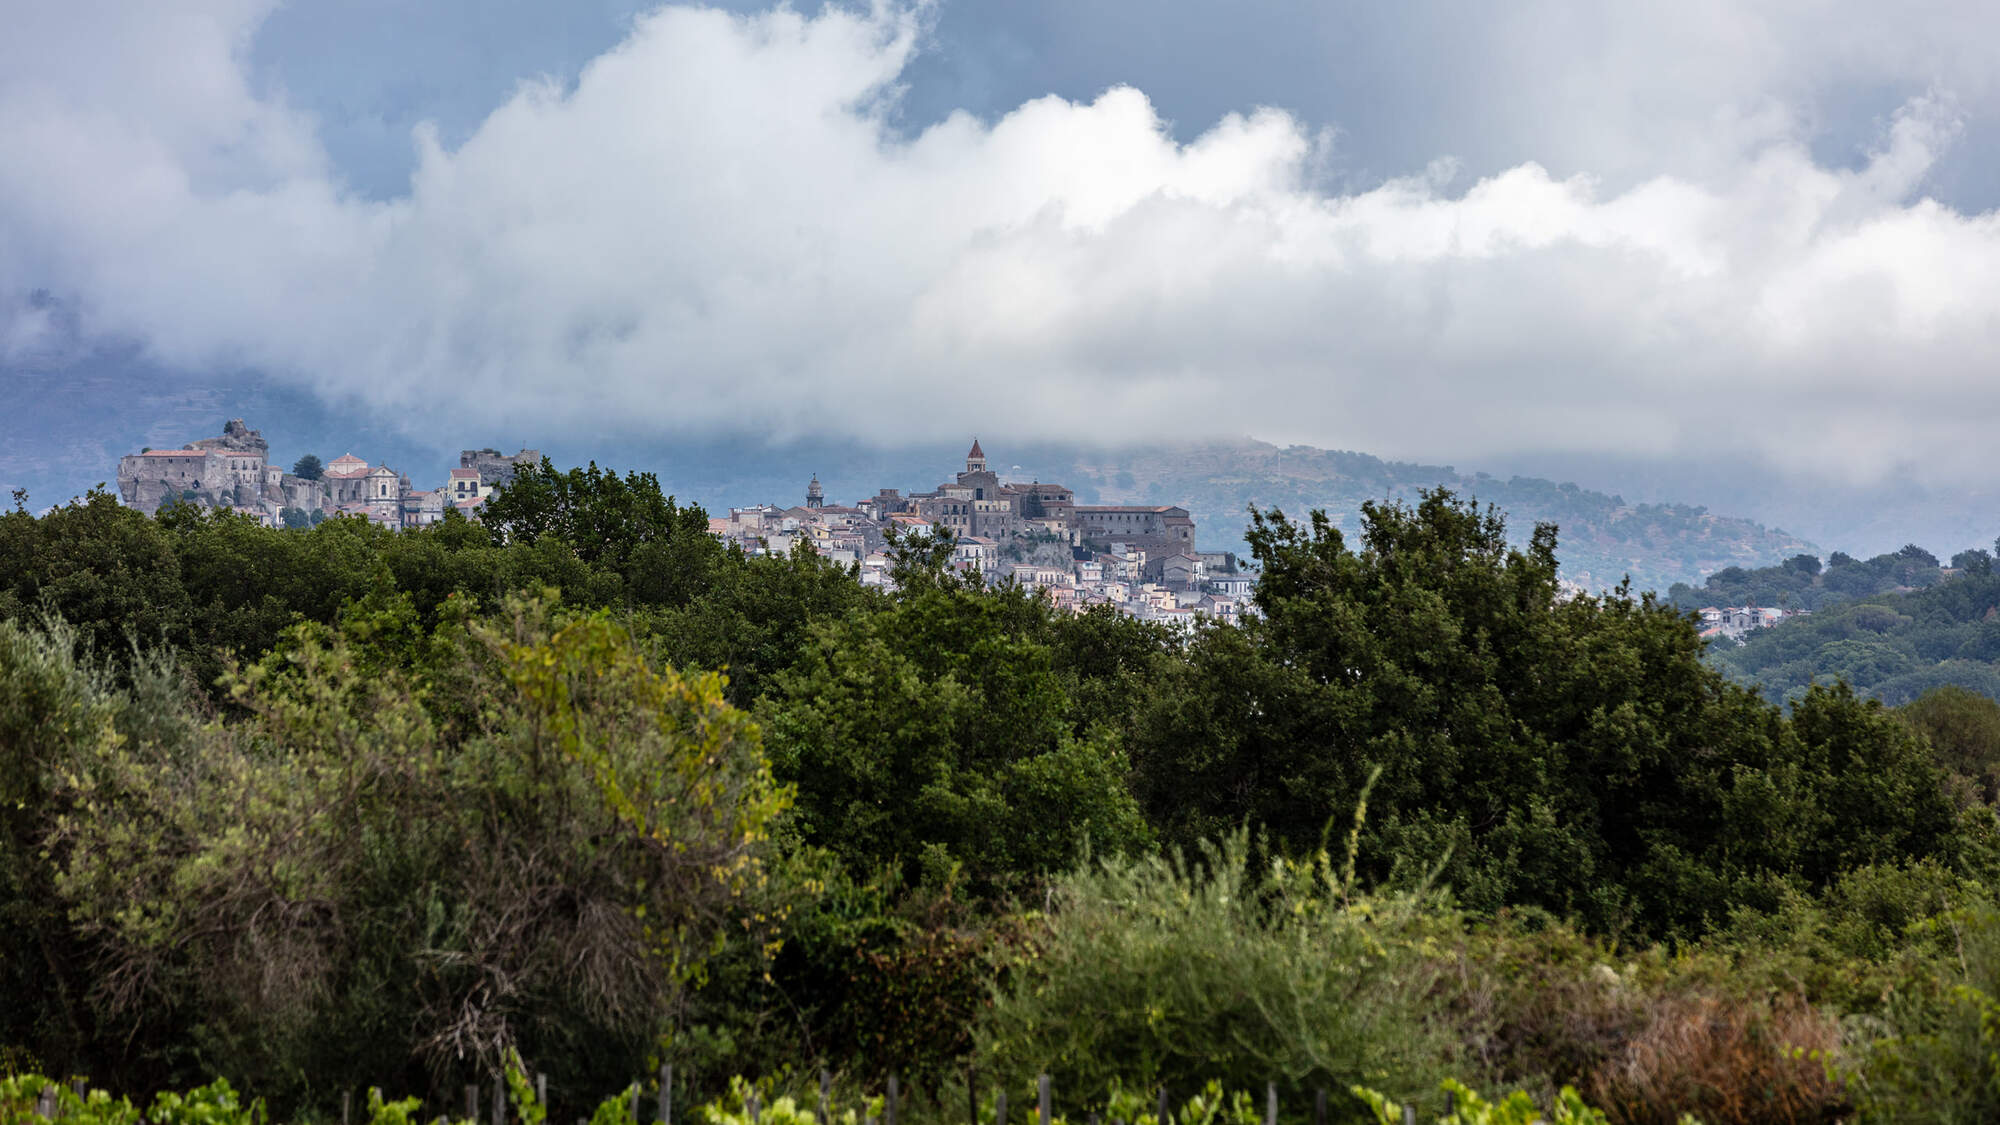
(715, 229)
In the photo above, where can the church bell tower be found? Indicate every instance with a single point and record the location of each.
(815, 495)
(975, 460)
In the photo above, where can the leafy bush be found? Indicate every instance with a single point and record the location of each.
(1211, 1106)
(1468, 1108)
(1938, 1057)
(411, 857)
(745, 1104)
(1230, 966)
(214, 1104)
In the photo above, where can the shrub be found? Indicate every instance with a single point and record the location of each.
(214, 1104)
(1725, 1061)
(1938, 1057)
(1468, 1108)
(1648, 1035)
(1230, 967)
(528, 836)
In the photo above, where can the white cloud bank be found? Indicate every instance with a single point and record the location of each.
(715, 231)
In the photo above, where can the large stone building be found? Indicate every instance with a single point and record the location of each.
(979, 504)
(494, 467)
(1157, 530)
(234, 471)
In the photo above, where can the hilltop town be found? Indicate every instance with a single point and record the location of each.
(235, 471)
(1140, 559)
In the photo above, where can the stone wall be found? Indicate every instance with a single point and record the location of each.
(495, 467)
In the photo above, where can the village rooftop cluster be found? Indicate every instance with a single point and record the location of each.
(235, 471)
(1139, 559)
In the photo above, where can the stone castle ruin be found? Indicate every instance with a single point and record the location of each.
(234, 471)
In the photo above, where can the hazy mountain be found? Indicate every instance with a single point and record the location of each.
(1602, 537)
(1913, 504)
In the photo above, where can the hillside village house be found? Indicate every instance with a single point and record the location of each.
(234, 471)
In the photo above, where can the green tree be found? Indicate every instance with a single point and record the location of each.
(1879, 793)
(308, 468)
(106, 568)
(1975, 561)
(602, 516)
(933, 737)
(1574, 755)
(752, 616)
(1963, 726)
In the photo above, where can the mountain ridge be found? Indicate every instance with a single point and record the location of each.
(1601, 537)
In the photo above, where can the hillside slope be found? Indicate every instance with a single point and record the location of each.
(1602, 537)
(1893, 646)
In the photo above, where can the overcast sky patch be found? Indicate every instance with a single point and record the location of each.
(1540, 229)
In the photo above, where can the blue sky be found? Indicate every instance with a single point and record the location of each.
(1552, 231)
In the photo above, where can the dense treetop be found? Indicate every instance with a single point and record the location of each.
(1801, 582)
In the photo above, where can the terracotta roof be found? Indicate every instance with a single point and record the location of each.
(463, 474)
(176, 453)
(977, 453)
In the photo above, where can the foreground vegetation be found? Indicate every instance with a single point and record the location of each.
(326, 809)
